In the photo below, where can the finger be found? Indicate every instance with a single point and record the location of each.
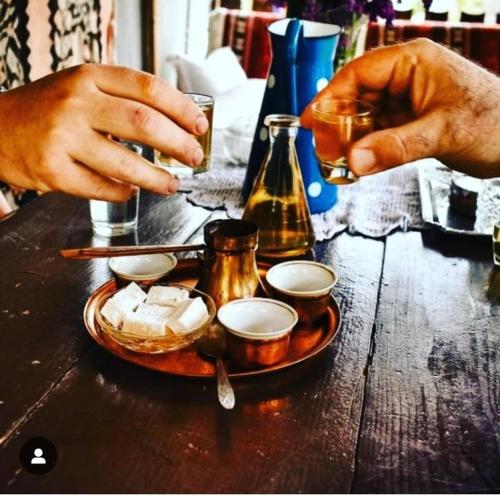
(109, 158)
(392, 147)
(137, 122)
(152, 91)
(373, 97)
(389, 68)
(83, 182)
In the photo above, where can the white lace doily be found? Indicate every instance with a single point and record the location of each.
(374, 206)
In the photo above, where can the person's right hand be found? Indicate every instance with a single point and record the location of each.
(54, 132)
(431, 103)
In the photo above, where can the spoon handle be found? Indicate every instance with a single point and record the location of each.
(93, 252)
(224, 389)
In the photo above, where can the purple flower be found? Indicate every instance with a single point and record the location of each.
(380, 8)
(340, 11)
(279, 4)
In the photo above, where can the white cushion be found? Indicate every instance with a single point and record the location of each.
(242, 101)
(219, 73)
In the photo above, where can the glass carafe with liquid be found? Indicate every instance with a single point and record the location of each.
(278, 203)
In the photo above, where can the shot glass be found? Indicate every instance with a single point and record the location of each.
(173, 166)
(337, 124)
(488, 214)
(116, 218)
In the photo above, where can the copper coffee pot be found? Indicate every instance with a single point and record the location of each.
(228, 269)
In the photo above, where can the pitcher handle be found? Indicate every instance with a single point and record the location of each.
(292, 36)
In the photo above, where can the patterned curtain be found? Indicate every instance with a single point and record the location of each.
(38, 37)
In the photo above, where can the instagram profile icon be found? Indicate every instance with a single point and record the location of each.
(38, 455)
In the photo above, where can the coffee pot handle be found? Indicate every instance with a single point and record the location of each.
(292, 37)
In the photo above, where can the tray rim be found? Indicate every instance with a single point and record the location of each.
(185, 264)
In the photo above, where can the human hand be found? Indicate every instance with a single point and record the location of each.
(54, 132)
(430, 102)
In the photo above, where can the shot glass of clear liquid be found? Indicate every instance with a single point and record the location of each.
(173, 166)
(115, 218)
(337, 124)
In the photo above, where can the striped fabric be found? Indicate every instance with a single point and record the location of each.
(246, 33)
(38, 37)
(42, 36)
(478, 42)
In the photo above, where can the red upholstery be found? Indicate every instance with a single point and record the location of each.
(478, 42)
(246, 34)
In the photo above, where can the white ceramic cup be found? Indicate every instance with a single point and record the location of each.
(305, 285)
(259, 330)
(143, 269)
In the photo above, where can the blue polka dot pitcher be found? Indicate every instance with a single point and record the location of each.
(302, 65)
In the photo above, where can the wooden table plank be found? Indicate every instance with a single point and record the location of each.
(119, 428)
(42, 295)
(432, 416)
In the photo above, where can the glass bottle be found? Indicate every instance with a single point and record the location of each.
(278, 203)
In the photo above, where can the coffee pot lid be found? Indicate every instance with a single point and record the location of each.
(231, 235)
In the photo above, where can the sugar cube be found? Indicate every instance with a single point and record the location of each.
(188, 315)
(166, 295)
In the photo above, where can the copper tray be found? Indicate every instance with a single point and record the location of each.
(306, 342)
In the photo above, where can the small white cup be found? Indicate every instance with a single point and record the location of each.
(305, 285)
(257, 318)
(145, 270)
(259, 330)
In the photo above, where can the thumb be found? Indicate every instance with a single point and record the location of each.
(393, 147)
(306, 120)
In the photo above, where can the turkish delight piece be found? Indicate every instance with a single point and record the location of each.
(144, 324)
(166, 295)
(122, 302)
(188, 315)
(112, 313)
(128, 298)
(159, 311)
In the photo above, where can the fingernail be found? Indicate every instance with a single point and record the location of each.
(197, 156)
(174, 184)
(304, 120)
(201, 124)
(132, 191)
(363, 160)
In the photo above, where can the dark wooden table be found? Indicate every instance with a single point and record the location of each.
(407, 399)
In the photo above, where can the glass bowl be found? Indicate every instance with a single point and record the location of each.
(146, 344)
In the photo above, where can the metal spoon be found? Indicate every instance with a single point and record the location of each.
(213, 344)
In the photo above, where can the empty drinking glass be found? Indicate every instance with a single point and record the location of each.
(116, 218)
